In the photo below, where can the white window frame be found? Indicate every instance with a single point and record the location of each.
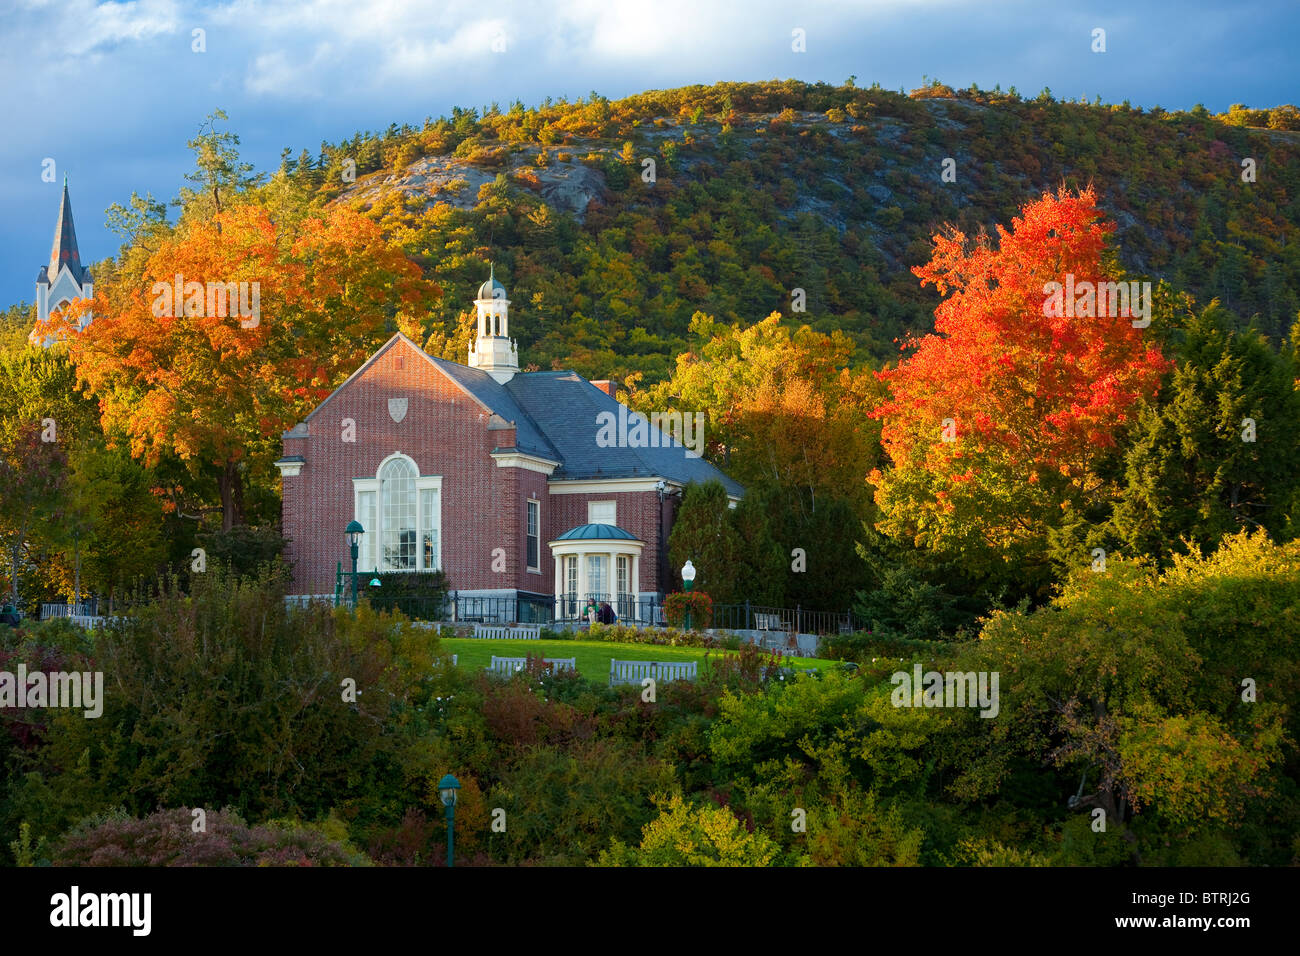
(613, 507)
(368, 558)
(528, 507)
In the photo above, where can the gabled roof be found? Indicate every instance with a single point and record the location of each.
(566, 407)
(481, 387)
(555, 415)
(64, 251)
(497, 398)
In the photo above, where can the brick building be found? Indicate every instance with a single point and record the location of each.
(503, 479)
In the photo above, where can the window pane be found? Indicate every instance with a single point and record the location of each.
(534, 540)
(431, 523)
(366, 515)
(596, 583)
(601, 512)
(397, 491)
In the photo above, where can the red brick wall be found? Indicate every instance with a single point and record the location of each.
(636, 512)
(446, 433)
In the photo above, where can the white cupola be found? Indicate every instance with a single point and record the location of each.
(494, 351)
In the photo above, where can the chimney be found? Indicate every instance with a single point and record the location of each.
(607, 385)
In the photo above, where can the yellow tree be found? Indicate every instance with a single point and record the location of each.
(782, 406)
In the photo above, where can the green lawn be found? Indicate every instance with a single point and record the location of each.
(593, 656)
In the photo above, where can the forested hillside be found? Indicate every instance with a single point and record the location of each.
(763, 188)
(648, 238)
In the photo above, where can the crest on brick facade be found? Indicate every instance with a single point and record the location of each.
(397, 409)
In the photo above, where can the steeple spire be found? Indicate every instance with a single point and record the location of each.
(63, 278)
(64, 251)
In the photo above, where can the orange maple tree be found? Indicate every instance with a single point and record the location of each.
(997, 419)
(193, 376)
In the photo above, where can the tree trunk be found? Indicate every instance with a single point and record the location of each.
(232, 496)
(13, 566)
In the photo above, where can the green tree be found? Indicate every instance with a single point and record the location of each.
(704, 534)
(113, 534)
(1219, 451)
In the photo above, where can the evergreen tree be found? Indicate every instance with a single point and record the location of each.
(1197, 468)
(703, 533)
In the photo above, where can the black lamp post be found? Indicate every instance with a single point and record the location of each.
(447, 788)
(353, 535)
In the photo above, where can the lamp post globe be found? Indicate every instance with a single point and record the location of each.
(688, 579)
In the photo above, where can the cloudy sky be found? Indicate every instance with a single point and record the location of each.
(112, 91)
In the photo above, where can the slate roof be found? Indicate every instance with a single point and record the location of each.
(555, 417)
(565, 407)
(528, 436)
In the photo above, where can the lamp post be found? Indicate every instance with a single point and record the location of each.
(688, 579)
(353, 534)
(447, 788)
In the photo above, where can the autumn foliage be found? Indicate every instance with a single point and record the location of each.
(999, 417)
(214, 387)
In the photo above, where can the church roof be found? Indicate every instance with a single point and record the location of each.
(64, 251)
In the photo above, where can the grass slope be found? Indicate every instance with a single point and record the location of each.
(593, 657)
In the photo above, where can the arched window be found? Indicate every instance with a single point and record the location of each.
(402, 514)
(397, 498)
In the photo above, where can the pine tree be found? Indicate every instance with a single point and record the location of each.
(703, 533)
(1197, 468)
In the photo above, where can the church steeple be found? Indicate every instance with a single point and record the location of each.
(494, 351)
(63, 278)
(64, 250)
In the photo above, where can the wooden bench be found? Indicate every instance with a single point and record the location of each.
(633, 672)
(492, 632)
(505, 666)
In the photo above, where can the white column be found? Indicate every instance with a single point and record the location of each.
(636, 576)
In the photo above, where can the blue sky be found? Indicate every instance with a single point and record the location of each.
(112, 91)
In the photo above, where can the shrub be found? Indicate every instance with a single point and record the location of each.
(420, 595)
(864, 646)
(167, 838)
(687, 835)
(243, 549)
(695, 603)
(227, 697)
(672, 637)
(566, 803)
